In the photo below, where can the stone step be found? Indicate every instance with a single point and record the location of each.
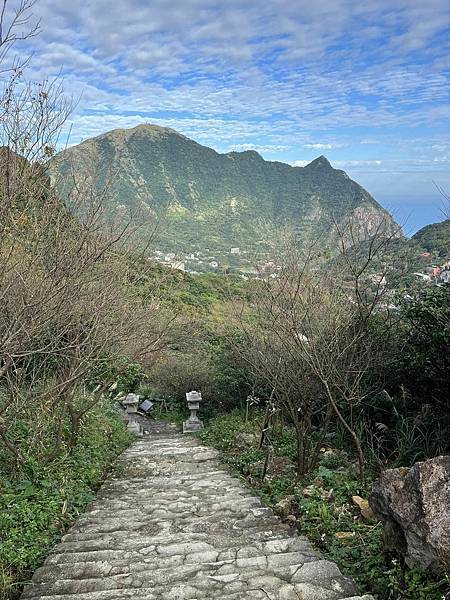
(132, 540)
(260, 587)
(110, 523)
(173, 525)
(214, 475)
(194, 481)
(137, 547)
(226, 519)
(195, 582)
(175, 594)
(144, 494)
(240, 529)
(176, 507)
(218, 529)
(146, 506)
(183, 562)
(97, 564)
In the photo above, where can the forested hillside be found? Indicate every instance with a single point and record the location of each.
(435, 238)
(210, 201)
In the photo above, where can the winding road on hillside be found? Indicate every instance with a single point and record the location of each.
(173, 524)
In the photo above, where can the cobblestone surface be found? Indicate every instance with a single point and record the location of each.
(173, 525)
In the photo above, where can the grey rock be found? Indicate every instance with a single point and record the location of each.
(284, 507)
(413, 505)
(245, 440)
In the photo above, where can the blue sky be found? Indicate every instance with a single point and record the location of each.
(364, 83)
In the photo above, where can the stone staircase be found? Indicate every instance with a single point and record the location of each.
(171, 524)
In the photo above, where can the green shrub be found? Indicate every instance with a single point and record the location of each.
(38, 502)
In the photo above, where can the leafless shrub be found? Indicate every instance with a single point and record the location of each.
(307, 336)
(69, 276)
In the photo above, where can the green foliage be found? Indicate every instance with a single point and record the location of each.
(323, 509)
(172, 415)
(248, 457)
(420, 386)
(223, 431)
(407, 417)
(200, 354)
(435, 238)
(428, 320)
(38, 501)
(125, 374)
(176, 411)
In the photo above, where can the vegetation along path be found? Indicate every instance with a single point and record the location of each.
(172, 524)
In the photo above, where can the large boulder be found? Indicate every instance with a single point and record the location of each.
(413, 505)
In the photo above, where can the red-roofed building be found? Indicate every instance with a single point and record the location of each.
(435, 271)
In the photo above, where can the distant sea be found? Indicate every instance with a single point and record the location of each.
(411, 198)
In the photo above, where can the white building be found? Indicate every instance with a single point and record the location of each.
(378, 279)
(179, 265)
(445, 276)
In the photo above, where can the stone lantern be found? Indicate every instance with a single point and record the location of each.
(131, 406)
(193, 423)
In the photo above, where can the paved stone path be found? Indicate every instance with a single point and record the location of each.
(172, 524)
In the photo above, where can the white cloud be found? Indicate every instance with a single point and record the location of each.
(356, 163)
(322, 146)
(426, 166)
(311, 63)
(280, 77)
(259, 148)
(318, 146)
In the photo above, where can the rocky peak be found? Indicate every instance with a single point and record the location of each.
(321, 163)
(152, 132)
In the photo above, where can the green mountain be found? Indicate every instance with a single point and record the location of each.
(212, 202)
(435, 238)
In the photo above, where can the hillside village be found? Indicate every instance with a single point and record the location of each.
(425, 268)
(236, 261)
(435, 274)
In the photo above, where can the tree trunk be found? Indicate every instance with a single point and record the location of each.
(75, 427)
(263, 427)
(347, 427)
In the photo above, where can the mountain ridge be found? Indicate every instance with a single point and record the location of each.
(220, 200)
